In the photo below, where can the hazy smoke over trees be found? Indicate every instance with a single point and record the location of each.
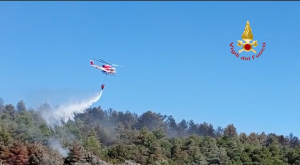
(96, 135)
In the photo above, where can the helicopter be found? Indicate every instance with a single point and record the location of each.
(106, 68)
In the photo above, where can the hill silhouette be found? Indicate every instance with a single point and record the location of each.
(100, 136)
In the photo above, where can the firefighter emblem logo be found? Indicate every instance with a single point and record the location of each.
(247, 45)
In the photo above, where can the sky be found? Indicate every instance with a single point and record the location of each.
(177, 59)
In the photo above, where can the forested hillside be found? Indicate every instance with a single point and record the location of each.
(99, 136)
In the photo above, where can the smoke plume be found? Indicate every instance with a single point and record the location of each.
(65, 112)
(55, 144)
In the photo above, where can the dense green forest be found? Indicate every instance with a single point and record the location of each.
(112, 137)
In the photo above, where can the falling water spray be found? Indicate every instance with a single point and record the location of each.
(66, 112)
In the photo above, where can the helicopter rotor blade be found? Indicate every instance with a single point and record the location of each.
(102, 61)
(117, 65)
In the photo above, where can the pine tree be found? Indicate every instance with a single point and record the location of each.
(21, 106)
(36, 153)
(1, 104)
(5, 137)
(210, 149)
(76, 155)
(155, 152)
(9, 112)
(15, 154)
(230, 131)
(92, 143)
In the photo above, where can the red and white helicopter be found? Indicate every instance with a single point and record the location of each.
(106, 69)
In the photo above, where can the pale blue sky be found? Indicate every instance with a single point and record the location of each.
(177, 59)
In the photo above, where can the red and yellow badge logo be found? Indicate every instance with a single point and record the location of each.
(247, 36)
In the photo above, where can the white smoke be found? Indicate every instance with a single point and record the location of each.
(55, 144)
(66, 112)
